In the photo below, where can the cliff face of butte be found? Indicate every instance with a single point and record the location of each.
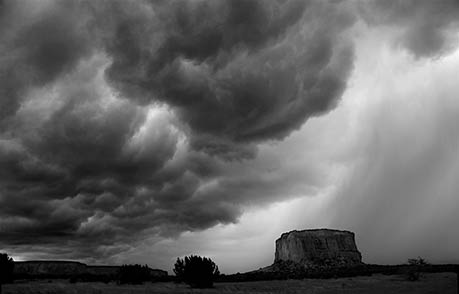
(318, 247)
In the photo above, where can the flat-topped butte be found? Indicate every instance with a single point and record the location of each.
(318, 247)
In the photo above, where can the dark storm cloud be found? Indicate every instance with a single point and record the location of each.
(427, 28)
(239, 71)
(127, 119)
(78, 166)
(46, 43)
(121, 120)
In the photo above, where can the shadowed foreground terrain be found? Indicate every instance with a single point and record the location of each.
(429, 283)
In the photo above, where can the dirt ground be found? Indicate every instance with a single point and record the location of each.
(444, 283)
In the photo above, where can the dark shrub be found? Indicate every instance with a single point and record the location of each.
(415, 265)
(6, 269)
(133, 274)
(196, 271)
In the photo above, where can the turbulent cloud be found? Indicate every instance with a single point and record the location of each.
(237, 71)
(124, 120)
(47, 43)
(426, 28)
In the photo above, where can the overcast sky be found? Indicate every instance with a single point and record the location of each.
(140, 131)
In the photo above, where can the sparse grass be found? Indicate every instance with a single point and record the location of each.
(432, 283)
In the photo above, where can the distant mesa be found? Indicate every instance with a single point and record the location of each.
(315, 248)
(68, 269)
(38, 268)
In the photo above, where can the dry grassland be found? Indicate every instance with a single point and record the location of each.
(444, 283)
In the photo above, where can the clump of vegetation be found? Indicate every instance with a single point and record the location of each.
(196, 271)
(133, 274)
(6, 269)
(415, 266)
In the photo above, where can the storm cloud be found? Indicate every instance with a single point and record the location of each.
(45, 44)
(122, 121)
(233, 71)
(426, 28)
